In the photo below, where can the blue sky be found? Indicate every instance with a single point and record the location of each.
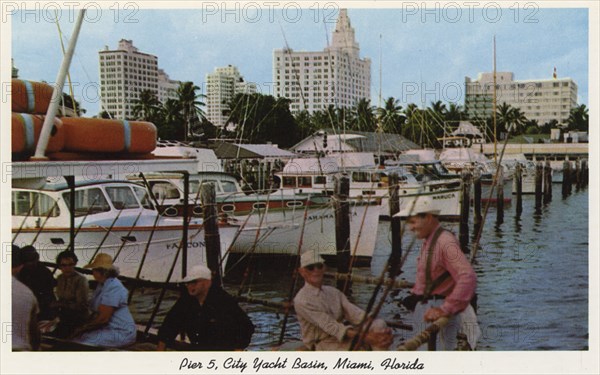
(425, 55)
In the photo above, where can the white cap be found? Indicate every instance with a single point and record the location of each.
(197, 272)
(423, 205)
(310, 257)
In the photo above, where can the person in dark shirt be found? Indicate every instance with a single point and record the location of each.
(40, 280)
(211, 318)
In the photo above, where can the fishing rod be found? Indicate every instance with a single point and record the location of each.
(254, 244)
(143, 260)
(108, 231)
(26, 217)
(235, 237)
(149, 189)
(45, 221)
(362, 330)
(295, 277)
(358, 236)
(126, 238)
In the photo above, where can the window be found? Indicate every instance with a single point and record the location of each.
(229, 186)
(142, 195)
(164, 190)
(40, 204)
(122, 197)
(87, 201)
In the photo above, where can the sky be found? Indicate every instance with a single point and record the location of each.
(423, 54)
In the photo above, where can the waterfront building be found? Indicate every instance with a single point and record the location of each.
(222, 86)
(335, 76)
(167, 87)
(125, 73)
(543, 100)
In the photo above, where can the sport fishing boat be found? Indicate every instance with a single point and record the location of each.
(114, 217)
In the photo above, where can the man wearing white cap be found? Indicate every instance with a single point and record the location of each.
(211, 318)
(445, 281)
(323, 311)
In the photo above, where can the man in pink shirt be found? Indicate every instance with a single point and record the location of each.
(445, 281)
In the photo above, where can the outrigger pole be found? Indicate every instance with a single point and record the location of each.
(40, 150)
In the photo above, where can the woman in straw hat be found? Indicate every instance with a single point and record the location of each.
(112, 324)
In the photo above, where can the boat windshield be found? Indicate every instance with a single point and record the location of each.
(122, 197)
(229, 186)
(142, 195)
(87, 201)
(33, 203)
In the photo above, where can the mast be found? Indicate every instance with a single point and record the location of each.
(40, 150)
(494, 107)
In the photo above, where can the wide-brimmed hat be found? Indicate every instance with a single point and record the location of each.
(102, 260)
(197, 272)
(310, 257)
(423, 205)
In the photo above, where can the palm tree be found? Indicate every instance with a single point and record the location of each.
(190, 105)
(518, 120)
(579, 118)
(147, 106)
(390, 117)
(364, 115)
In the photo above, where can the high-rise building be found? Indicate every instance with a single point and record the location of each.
(543, 100)
(221, 87)
(167, 88)
(335, 76)
(124, 73)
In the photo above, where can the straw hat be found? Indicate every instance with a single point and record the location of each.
(102, 260)
(197, 272)
(423, 205)
(310, 257)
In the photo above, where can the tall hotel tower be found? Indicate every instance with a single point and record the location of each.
(335, 76)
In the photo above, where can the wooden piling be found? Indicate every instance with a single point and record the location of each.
(500, 196)
(463, 235)
(566, 183)
(577, 174)
(538, 184)
(547, 182)
(584, 173)
(477, 219)
(186, 224)
(211, 230)
(71, 183)
(519, 189)
(342, 227)
(394, 203)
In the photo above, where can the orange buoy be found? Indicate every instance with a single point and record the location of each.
(30, 97)
(26, 129)
(92, 156)
(103, 135)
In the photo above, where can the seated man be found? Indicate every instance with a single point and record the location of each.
(323, 311)
(211, 318)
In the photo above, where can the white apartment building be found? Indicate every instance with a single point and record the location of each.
(167, 88)
(335, 76)
(543, 100)
(221, 86)
(124, 73)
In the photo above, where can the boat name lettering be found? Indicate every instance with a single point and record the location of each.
(325, 216)
(174, 245)
(444, 196)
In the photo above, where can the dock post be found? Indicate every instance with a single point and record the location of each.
(463, 235)
(211, 231)
(584, 173)
(519, 189)
(538, 185)
(547, 182)
(566, 183)
(477, 219)
(577, 174)
(342, 228)
(500, 196)
(394, 203)
(71, 183)
(186, 223)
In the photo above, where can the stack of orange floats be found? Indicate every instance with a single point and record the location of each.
(73, 138)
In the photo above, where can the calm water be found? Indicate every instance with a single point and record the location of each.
(532, 272)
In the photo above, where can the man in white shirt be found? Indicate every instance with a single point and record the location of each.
(25, 331)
